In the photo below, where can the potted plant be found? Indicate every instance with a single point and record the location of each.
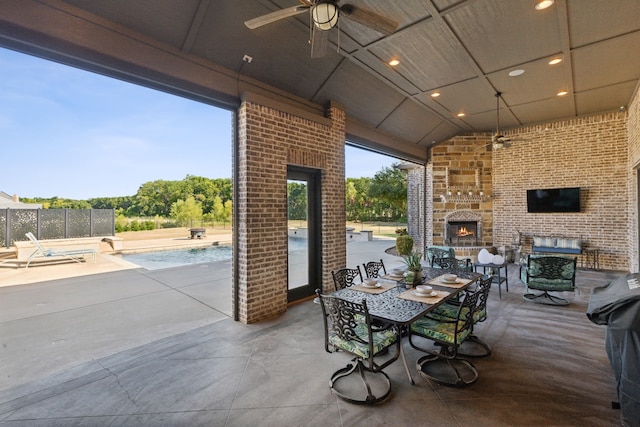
(404, 242)
(414, 265)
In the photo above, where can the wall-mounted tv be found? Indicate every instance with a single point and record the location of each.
(553, 200)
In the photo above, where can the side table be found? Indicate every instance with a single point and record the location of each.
(498, 277)
(590, 257)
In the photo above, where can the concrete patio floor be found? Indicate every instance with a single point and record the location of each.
(158, 348)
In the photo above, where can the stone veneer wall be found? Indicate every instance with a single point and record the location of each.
(587, 152)
(462, 164)
(633, 136)
(269, 140)
(415, 207)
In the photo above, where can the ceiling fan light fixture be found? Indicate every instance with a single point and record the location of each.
(325, 15)
(498, 145)
(543, 4)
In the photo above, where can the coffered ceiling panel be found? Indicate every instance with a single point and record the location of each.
(591, 21)
(365, 97)
(409, 111)
(429, 57)
(545, 110)
(608, 62)
(501, 34)
(605, 98)
(539, 81)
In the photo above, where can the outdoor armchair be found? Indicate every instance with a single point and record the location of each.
(548, 273)
(348, 327)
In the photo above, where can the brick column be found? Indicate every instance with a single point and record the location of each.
(269, 140)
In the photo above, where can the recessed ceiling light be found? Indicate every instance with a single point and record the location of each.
(544, 4)
(562, 93)
(555, 61)
(518, 72)
(394, 62)
(460, 114)
(435, 94)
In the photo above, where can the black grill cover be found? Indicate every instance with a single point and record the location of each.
(617, 305)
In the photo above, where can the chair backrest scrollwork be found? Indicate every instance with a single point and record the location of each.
(453, 264)
(346, 277)
(372, 269)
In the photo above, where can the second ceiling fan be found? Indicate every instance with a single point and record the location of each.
(323, 16)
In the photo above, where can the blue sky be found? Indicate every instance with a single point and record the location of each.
(73, 134)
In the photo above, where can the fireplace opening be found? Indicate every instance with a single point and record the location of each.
(462, 233)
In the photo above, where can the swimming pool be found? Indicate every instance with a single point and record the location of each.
(179, 257)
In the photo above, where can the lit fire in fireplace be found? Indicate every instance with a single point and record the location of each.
(464, 232)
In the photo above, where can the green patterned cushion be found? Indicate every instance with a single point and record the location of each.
(551, 284)
(381, 340)
(439, 331)
(448, 311)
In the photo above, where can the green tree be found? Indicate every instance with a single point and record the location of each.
(389, 188)
(228, 211)
(217, 211)
(185, 212)
(297, 200)
(357, 203)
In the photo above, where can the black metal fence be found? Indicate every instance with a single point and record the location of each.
(55, 224)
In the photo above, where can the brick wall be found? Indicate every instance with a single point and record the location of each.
(269, 140)
(587, 152)
(596, 153)
(633, 136)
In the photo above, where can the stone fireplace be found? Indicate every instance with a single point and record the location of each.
(463, 228)
(462, 233)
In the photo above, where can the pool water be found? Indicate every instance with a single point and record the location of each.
(179, 257)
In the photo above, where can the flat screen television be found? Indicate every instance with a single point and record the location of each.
(553, 200)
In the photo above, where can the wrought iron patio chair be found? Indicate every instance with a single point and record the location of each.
(443, 364)
(548, 273)
(439, 252)
(346, 277)
(348, 327)
(76, 255)
(454, 264)
(473, 346)
(372, 269)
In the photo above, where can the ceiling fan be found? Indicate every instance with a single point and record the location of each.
(323, 16)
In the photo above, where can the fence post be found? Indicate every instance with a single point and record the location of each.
(38, 234)
(8, 232)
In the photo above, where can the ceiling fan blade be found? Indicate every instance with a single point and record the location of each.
(319, 42)
(377, 22)
(275, 16)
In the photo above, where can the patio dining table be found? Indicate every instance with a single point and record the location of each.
(393, 302)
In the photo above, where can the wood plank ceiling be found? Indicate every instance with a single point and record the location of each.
(462, 49)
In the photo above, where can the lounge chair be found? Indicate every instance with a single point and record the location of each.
(76, 255)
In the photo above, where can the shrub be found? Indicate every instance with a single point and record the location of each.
(404, 244)
(169, 224)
